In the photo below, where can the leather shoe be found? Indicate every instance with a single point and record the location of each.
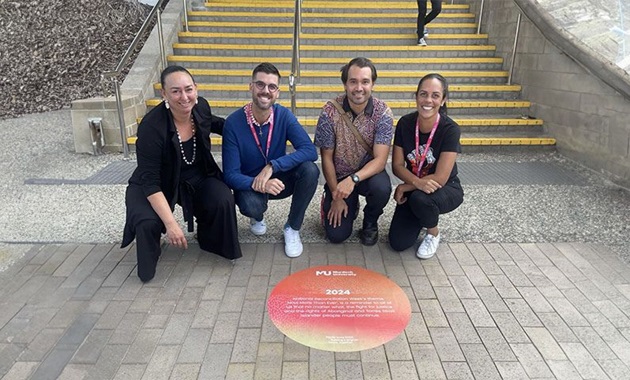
(369, 234)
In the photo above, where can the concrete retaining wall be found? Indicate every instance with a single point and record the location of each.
(583, 99)
(137, 87)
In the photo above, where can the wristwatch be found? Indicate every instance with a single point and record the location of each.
(355, 178)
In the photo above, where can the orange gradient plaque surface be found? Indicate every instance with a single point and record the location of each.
(339, 308)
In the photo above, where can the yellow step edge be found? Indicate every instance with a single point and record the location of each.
(326, 36)
(196, 58)
(466, 141)
(410, 88)
(388, 25)
(334, 47)
(513, 122)
(332, 60)
(326, 4)
(335, 74)
(392, 104)
(241, 24)
(520, 141)
(307, 15)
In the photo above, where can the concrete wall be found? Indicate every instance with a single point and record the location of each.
(583, 99)
(137, 87)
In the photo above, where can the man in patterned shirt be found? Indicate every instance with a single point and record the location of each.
(353, 167)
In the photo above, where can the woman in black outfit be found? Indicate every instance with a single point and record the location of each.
(431, 186)
(175, 166)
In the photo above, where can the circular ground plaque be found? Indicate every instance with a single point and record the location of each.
(339, 308)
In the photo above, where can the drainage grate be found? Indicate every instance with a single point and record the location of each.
(116, 173)
(470, 173)
(516, 173)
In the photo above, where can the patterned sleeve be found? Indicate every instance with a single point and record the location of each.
(324, 132)
(385, 128)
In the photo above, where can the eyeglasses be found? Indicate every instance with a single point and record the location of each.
(271, 86)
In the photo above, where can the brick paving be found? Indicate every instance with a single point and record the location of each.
(483, 311)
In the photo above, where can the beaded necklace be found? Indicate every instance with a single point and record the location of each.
(194, 139)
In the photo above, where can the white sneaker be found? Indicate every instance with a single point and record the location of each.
(292, 242)
(257, 228)
(428, 247)
(422, 42)
(426, 32)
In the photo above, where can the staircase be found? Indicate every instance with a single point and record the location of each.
(231, 37)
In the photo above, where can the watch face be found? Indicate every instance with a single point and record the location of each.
(355, 178)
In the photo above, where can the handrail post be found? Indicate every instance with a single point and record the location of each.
(518, 28)
(480, 17)
(186, 15)
(121, 117)
(294, 77)
(161, 37)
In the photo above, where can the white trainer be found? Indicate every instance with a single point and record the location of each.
(428, 247)
(422, 42)
(292, 242)
(257, 228)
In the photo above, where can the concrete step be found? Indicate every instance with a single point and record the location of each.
(473, 142)
(312, 107)
(334, 63)
(404, 77)
(318, 17)
(307, 39)
(324, 51)
(330, 6)
(390, 92)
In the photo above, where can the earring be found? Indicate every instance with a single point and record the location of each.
(196, 100)
(166, 104)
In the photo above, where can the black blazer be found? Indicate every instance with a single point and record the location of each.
(157, 149)
(159, 161)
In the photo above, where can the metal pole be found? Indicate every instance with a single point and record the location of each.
(121, 118)
(295, 56)
(480, 17)
(161, 38)
(518, 28)
(186, 15)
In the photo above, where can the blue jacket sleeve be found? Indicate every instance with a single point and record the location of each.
(304, 148)
(231, 157)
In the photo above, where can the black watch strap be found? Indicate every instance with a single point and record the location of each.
(355, 178)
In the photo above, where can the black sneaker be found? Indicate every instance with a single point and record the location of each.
(369, 234)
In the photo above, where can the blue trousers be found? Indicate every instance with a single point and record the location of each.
(300, 182)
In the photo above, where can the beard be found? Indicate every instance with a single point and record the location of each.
(262, 104)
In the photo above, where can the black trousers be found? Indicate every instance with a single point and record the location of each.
(422, 210)
(213, 208)
(423, 17)
(376, 191)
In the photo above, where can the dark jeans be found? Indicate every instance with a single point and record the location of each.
(422, 210)
(301, 182)
(423, 17)
(376, 191)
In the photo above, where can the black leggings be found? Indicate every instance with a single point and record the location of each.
(422, 210)
(423, 17)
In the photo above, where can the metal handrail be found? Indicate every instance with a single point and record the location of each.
(114, 74)
(294, 77)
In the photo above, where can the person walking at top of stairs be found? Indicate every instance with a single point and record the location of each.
(424, 18)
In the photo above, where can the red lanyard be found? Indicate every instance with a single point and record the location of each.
(426, 149)
(251, 127)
